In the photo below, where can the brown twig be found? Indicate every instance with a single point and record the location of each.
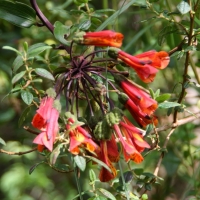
(17, 153)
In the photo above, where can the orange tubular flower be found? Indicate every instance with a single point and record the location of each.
(144, 64)
(46, 120)
(105, 175)
(139, 97)
(101, 38)
(79, 137)
(129, 150)
(134, 134)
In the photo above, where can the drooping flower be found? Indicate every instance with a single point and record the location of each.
(129, 150)
(105, 175)
(139, 97)
(80, 138)
(102, 38)
(146, 65)
(130, 131)
(46, 120)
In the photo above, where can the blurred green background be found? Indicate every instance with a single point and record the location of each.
(180, 168)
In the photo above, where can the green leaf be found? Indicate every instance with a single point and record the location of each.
(84, 25)
(99, 162)
(34, 167)
(24, 116)
(18, 76)
(18, 62)
(27, 97)
(92, 175)
(44, 73)
(36, 49)
(80, 162)
(2, 141)
(55, 153)
(183, 7)
(17, 13)
(107, 194)
(168, 104)
(12, 49)
(163, 97)
(61, 32)
(144, 197)
(115, 15)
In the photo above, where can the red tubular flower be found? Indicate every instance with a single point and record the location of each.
(105, 175)
(129, 150)
(144, 64)
(101, 38)
(79, 137)
(139, 97)
(46, 120)
(134, 134)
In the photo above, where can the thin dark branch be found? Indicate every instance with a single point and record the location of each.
(39, 13)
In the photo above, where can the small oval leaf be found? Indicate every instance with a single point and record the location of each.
(44, 73)
(18, 76)
(27, 97)
(80, 162)
(168, 104)
(92, 175)
(107, 194)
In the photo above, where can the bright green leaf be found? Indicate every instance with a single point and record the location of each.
(107, 194)
(55, 153)
(80, 162)
(12, 49)
(163, 97)
(18, 76)
(44, 73)
(27, 97)
(61, 32)
(36, 49)
(92, 175)
(183, 7)
(17, 13)
(84, 25)
(168, 104)
(2, 141)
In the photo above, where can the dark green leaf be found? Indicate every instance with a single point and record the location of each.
(80, 162)
(34, 167)
(18, 76)
(27, 97)
(61, 32)
(107, 194)
(168, 104)
(44, 73)
(128, 176)
(24, 116)
(148, 186)
(36, 49)
(17, 13)
(183, 7)
(138, 171)
(163, 97)
(2, 141)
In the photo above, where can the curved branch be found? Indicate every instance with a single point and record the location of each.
(17, 153)
(39, 13)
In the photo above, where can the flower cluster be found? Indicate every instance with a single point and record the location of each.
(93, 124)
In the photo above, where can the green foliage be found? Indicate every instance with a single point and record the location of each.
(41, 58)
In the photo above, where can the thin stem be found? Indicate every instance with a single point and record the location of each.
(39, 13)
(17, 153)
